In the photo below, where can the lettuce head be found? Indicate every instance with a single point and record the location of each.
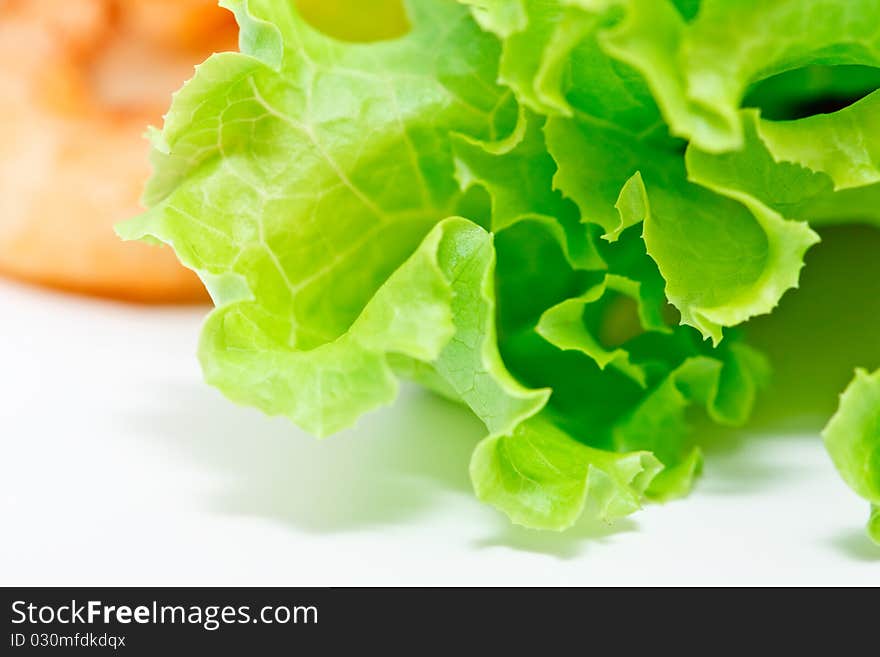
(554, 212)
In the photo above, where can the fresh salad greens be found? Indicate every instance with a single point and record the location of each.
(852, 437)
(552, 211)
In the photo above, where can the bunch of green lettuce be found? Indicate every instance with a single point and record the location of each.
(552, 211)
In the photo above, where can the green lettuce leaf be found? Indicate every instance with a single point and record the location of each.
(436, 308)
(845, 145)
(542, 478)
(700, 71)
(725, 256)
(724, 386)
(852, 438)
(564, 324)
(518, 176)
(789, 188)
(268, 185)
(553, 61)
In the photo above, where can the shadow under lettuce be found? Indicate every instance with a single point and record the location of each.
(814, 340)
(395, 467)
(569, 544)
(856, 545)
(404, 464)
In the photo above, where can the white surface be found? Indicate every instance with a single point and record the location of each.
(120, 467)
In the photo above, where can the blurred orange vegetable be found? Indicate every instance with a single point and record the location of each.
(80, 81)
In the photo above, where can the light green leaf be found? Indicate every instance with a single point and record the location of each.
(437, 308)
(538, 37)
(278, 180)
(725, 256)
(874, 524)
(724, 387)
(700, 71)
(633, 205)
(519, 182)
(253, 152)
(786, 187)
(541, 477)
(852, 438)
(564, 324)
(844, 145)
(553, 61)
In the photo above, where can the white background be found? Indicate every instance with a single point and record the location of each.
(120, 467)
